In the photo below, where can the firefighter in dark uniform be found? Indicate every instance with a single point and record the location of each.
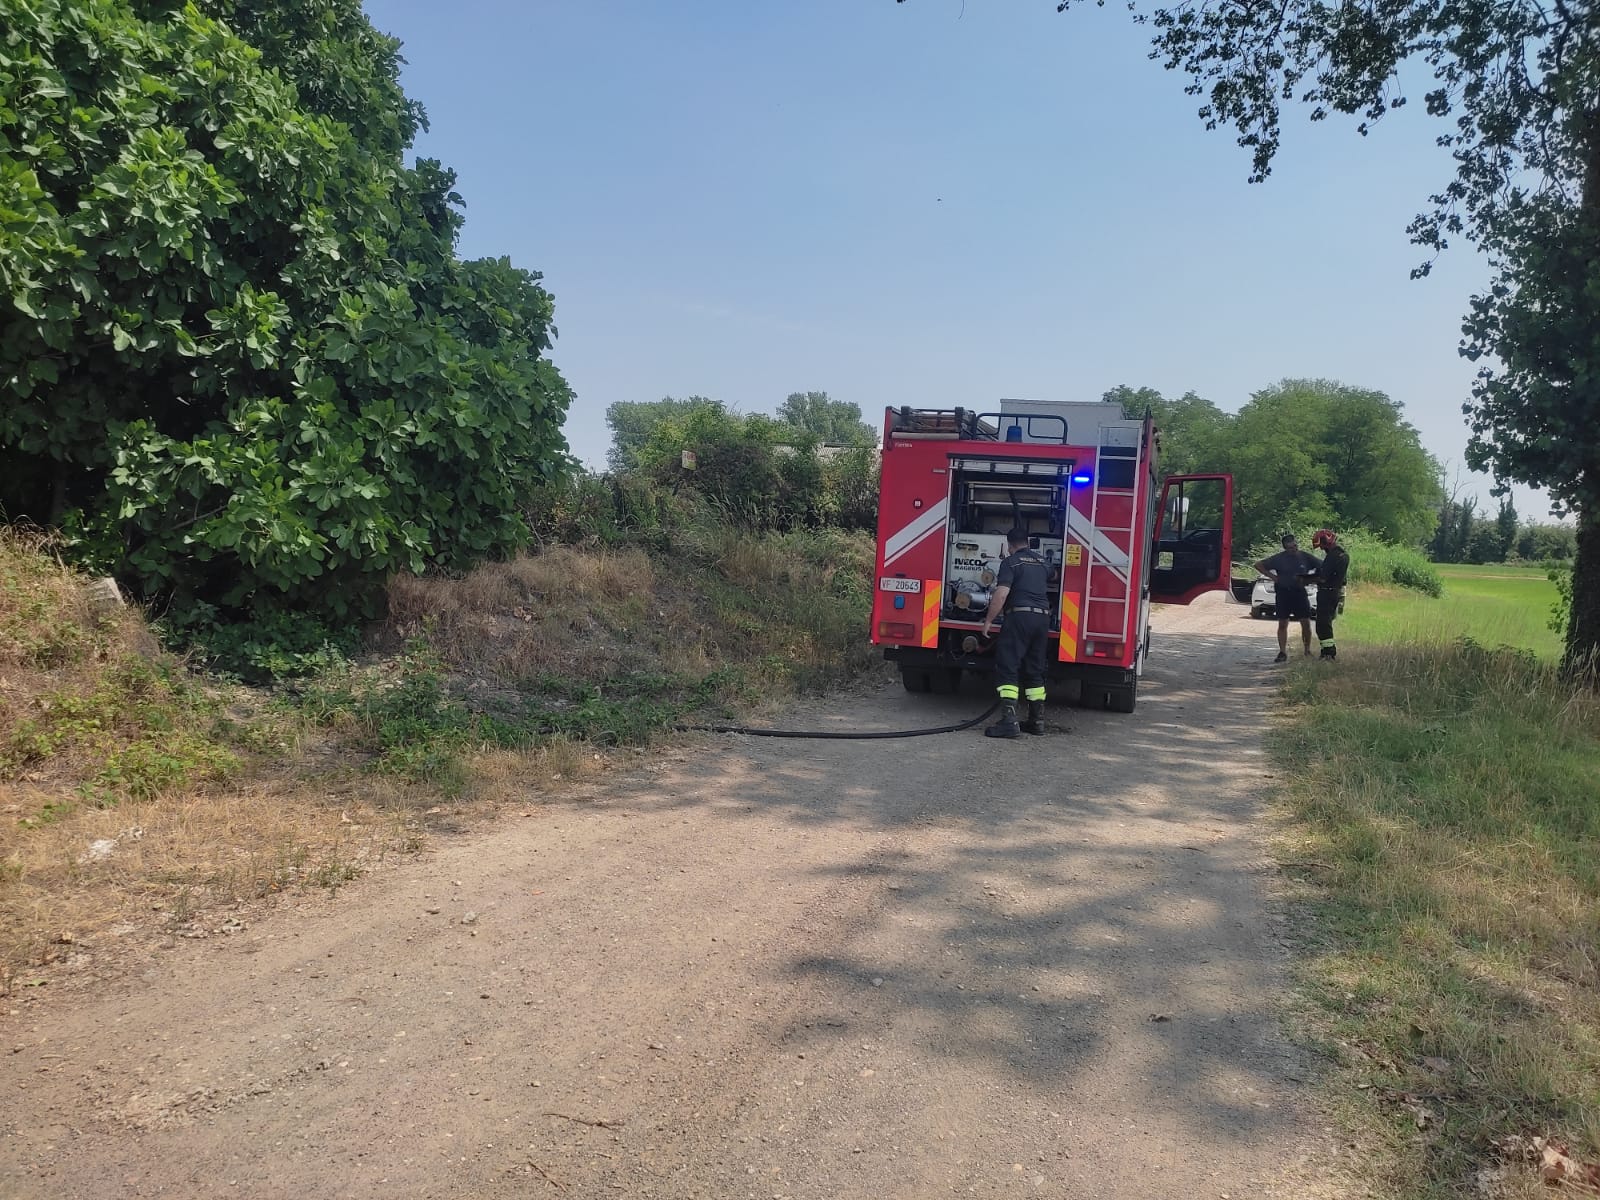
(1330, 586)
(1022, 588)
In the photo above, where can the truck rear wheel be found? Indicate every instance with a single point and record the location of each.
(942, 681)
(1120, 699)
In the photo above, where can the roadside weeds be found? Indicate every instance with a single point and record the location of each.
(1442, 832)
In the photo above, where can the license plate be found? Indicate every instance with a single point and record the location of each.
(892, 584)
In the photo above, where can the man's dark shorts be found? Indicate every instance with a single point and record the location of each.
(1292, 603)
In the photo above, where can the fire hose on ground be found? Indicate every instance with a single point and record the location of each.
(969, 645)
(833, 735)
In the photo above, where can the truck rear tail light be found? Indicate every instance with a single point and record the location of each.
(897, 631)
(1106, 649)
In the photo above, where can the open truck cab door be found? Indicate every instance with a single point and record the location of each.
(1193, 550)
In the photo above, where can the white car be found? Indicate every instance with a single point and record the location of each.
(1264, 598)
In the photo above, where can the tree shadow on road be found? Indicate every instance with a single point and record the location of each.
(1038, 907)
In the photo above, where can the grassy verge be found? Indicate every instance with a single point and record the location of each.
(1444, 826)
(1494, 606)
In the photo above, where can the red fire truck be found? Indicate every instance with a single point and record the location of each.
(1082, 479)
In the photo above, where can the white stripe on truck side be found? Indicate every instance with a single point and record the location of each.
(913, 534)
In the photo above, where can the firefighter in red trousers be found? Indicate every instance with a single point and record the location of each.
(1020, 654)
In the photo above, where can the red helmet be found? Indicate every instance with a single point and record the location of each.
(1323, 538)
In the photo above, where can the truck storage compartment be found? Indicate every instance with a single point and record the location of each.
(989, 497)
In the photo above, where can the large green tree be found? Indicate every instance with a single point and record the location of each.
(633, 422)
(1454, 530)
(832, 422)
(1505, 527)
(1515, 85)
(239, 356)
(1302, 452)
(1189, 426)
(1312, 452)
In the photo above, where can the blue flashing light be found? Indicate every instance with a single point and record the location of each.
(899, 600)
(1081, 478)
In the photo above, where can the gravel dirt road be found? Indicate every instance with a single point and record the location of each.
(944, 967)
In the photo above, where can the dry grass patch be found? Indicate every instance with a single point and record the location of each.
(129, 785)
(172, 863)
(46, 619)
(560, 611)
(756, 615)
(501, 777)
(184, 863)
(92, 710)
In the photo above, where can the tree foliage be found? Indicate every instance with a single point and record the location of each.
(238, 354)
(832, 422)
(1484, 544)
(1544, 543)
(1453, 532)
(815, 463)
(1505, 528)
(1464, 537)
(1302, 453)
(1189, 426)
(633, 422)
(758, 471)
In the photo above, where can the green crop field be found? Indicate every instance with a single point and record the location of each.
(1494, 605)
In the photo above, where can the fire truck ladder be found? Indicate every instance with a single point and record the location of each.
(1108, 540)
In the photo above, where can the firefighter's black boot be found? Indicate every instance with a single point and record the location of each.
(1330, 652)
(1006, 726)
(1035, 722)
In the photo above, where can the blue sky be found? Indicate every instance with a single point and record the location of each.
(920, 203)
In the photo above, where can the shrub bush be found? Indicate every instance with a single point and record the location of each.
(850, 489)
(274, 644)
(279, 383)
(758, 472)
(611, 510)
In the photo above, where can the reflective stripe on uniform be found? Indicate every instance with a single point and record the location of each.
(1034, 693)
(1008, 691)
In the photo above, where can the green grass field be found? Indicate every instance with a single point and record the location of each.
(1494, 605)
